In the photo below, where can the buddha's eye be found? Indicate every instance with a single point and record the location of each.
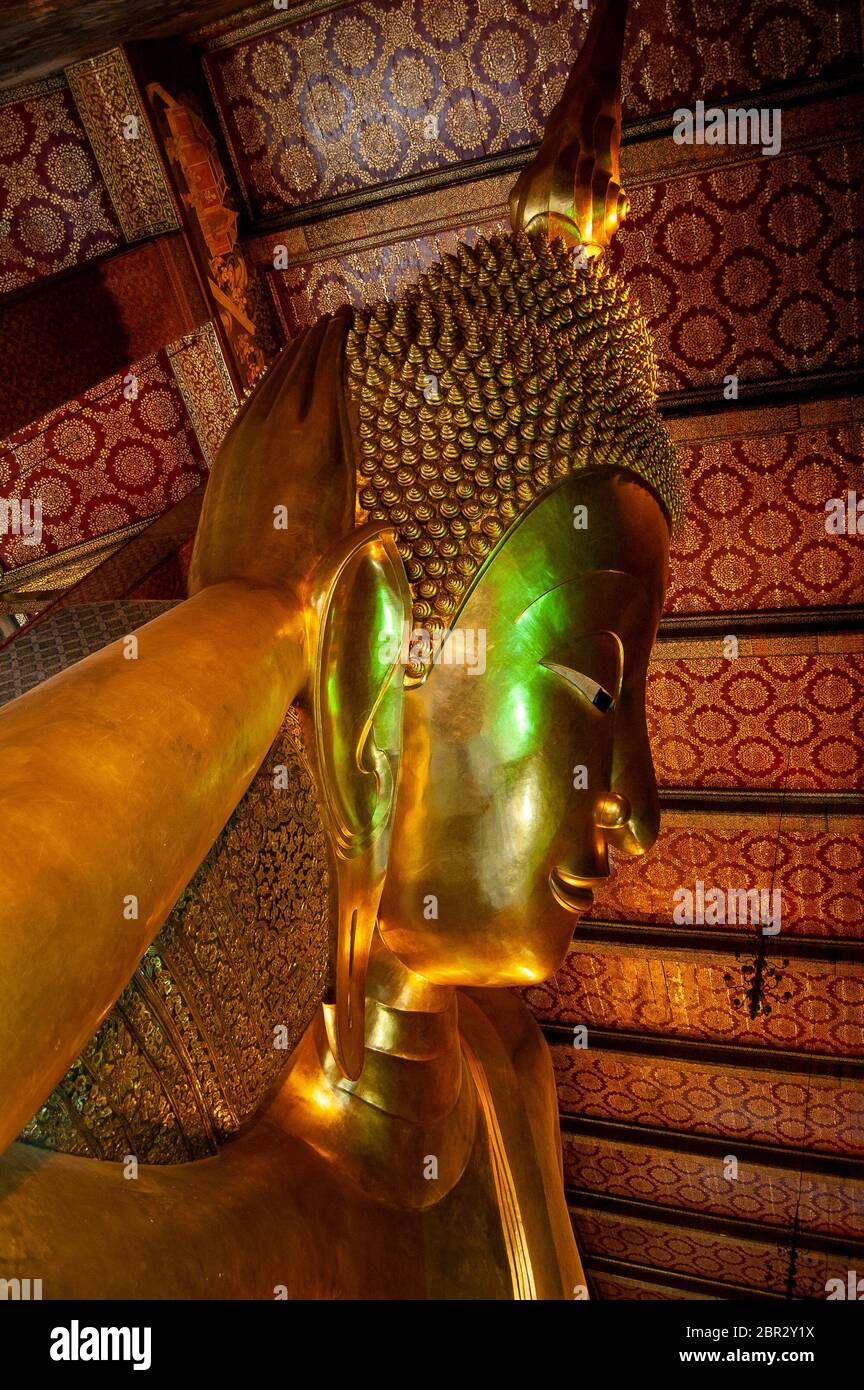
(594, 693)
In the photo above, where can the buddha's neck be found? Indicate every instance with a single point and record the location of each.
(414, 1101)
(413, 1062)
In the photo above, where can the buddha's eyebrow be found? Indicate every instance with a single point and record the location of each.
(595, 693)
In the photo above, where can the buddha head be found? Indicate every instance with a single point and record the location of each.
(482, 571)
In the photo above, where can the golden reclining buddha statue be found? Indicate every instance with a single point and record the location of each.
(428, 575)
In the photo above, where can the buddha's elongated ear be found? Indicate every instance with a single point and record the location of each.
(358, 606)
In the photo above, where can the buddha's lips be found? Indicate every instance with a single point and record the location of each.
(572, 894)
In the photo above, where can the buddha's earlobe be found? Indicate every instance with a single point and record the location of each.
(358, 607)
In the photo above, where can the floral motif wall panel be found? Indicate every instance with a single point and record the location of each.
(816, 864)
(674, 1178)
(757, 1104)
(55, 211)
(124, 451)
(752, 1264)
(789, 717)
(750, 269)
(807, 1005)
(755, 532)
(382, 90)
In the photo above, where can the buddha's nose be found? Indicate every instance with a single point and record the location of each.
(626, 831)
(612, 811)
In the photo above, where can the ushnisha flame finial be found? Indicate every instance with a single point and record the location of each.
(571, 188)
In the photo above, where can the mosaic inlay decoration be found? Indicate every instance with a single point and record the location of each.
(235, 959)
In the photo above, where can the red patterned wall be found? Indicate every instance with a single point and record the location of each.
(750, 269)
(669, 1178)
(793, 721)
(616, 1286)
(91, 324)
(814, 1005)
(706, 1255)
(54, 207)
(754, 535)
(103, 461)
(817, 867)
(824, 1113)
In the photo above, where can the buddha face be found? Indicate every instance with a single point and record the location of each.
(525, 751)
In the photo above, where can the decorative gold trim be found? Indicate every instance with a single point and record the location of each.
(65, 567)
(518, 1254)
(41, 88)
(202, 376)
(105, 93)
(215, 35)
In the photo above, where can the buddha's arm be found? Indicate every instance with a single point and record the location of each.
(116, 776)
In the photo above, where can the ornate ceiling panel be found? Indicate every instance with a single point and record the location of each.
(430, 203)
(754, 535)
(750, 269)
(790, 717)
(55, 211)
(382, 91)
(710, 1255)
(817, 865)
(106, 96)
(103, 461)
(807, 1004)
(752, 1103)
(673, 1178)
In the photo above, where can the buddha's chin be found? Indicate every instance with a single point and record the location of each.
(500, 953)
